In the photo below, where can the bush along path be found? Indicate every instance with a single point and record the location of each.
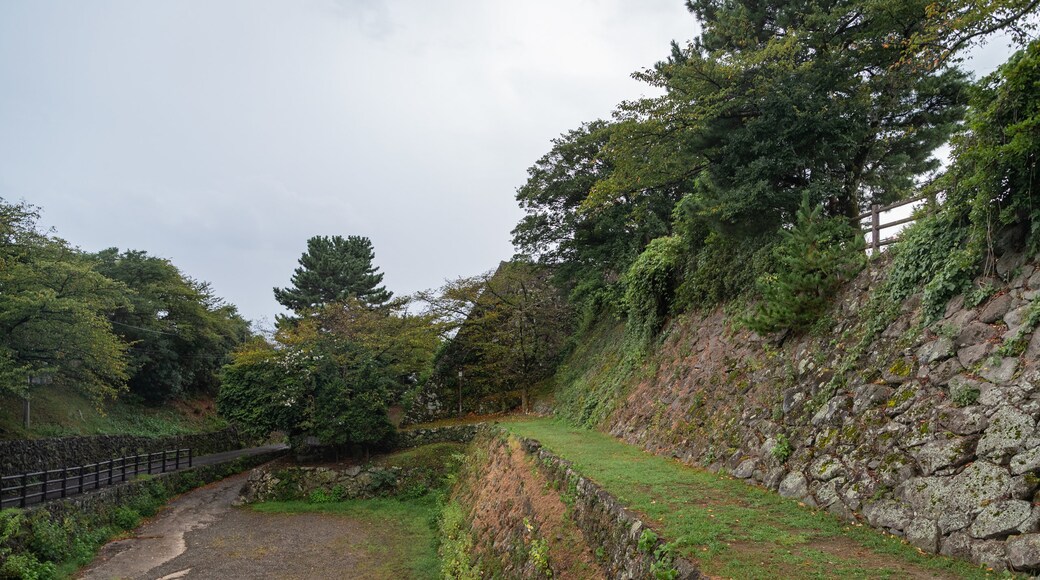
(733, 530)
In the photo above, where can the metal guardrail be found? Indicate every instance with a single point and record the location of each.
(29, 488)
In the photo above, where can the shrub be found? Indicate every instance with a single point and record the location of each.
(456, 545)
(126, 518)
(782, 450)
(813, 259)
(965, 396)
(647, 541)
(650, 285)
(539, 554)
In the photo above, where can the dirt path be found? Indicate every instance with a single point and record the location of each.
(200, 535)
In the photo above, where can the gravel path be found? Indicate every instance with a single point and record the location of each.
(200, 535)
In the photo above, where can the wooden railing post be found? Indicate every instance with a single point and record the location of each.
(190, 452)
(25, 488)
(64, 481)
(875, 228)
(177, 459)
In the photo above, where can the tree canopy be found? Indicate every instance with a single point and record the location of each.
(506, 328)
(98, 323)
(179, 333)
(842, 103)
(332, 375)
(53, 312)
(334, 269)
(334, 372)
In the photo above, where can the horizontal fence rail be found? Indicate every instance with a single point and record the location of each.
(25, 489)
(875, 226)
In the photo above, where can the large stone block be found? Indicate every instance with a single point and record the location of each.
(1006, 435)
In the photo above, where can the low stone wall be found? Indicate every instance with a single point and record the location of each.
(517, 495)
(450, 434)
(605, 522)
(386, 475)
(22, 455)
(300, 483)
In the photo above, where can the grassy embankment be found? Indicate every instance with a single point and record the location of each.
(731, 529)
(57, 412)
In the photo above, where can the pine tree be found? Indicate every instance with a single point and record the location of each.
(334, 269)
(813, 259)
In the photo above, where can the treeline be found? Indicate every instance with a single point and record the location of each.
(348, 361)
(774, 129)
(777, 126)
(105, 324)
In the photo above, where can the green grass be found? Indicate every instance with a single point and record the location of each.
(403, 532)
(432, 456)
(730, 528)
(58, 412)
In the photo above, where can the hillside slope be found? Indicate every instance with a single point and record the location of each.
(58, 412)
(928, 431)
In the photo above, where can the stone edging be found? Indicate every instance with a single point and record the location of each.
(603, 520)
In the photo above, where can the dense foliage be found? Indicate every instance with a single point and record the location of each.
(687, 198)
(179, 332)
(54, 308)
(813, 259)
(98, 322)
(334, 372)
(507, 331)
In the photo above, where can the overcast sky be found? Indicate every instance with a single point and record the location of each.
(223, 134)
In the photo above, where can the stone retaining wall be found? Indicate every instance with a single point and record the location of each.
(22, 455)
(931, 435)
(299, 483)
(293, 482)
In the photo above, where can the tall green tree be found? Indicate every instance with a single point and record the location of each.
(53, 312)
(334, 269)
(179, 333)
(781, 99)
(332, 375)
(814, 258)
(588, 251)
(507, 331)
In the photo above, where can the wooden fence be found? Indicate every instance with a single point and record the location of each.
(25, 489)
(875, 226)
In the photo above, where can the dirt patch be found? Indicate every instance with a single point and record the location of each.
(200, 535)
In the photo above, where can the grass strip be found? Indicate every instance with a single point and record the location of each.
(733, 529)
